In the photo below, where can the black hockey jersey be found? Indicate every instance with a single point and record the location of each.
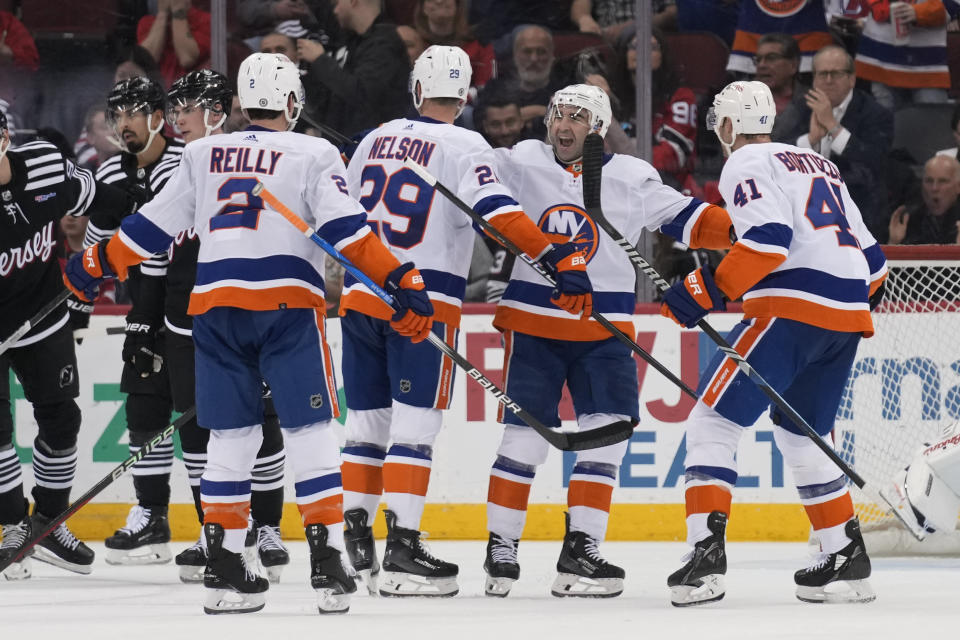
(181, 276)
(44, 187)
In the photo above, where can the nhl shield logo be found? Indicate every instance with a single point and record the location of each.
(405, 386)
(316, 401)
(570, 223)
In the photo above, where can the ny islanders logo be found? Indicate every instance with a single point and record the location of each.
(781, 8)
(569, 223)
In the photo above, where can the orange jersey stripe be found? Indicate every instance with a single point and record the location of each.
(328, 364)
(121, 257)
(903, 79)
(405, 478)
(742, 268)
(712, 229)
(446, 372)
(589, 494)
(361, 478)
(255, 299)
(728, 368)
(807, 42)
(520, 229)
(371, 257)
(534, 324)
(706, 499)
(509, 494)
(325, 511)
(370, 305)
(811, 313)
(232, 515)
(831, 513)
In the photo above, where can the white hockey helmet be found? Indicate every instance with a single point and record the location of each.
(441, 72)
(748, 105)
(585, 96)
(266, 80)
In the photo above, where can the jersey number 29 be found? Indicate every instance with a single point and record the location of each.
(402, 194)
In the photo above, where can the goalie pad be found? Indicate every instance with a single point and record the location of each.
(931, 483)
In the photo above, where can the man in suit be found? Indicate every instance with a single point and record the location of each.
(847, 126)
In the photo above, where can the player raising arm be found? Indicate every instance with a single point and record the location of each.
(258, 311)
(808, 271)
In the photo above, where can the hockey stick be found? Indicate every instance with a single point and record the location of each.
(35, 320)
(87, 332)
(431, 180)
(37, 536)
(592, 439)
(592, 174)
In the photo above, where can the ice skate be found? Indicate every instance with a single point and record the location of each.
(500, 565)
(700, 579)
(328, 575)
(232, 587)
(61, 548)
(192, 562)
(838, 577)
(142, 540)
(271, 551)
(15, 536)
(582, 572)
(361, 549)
(410, 570)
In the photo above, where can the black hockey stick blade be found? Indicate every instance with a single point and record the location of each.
(601, 436)
(592, 171)
(37, 536)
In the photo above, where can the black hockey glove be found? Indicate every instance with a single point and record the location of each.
(140, 350)
(79, 314)
(877, 296)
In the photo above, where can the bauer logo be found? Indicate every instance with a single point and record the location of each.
(569, 223)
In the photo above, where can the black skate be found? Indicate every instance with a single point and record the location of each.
(61, 548)
(142, 540)
(271, 551)
(410, 570)
(329, 578)
(232, 587)
(838, 577)
(501, 565)
(15, 536)
(700, 579)
(192, 562)
(582, 572)
(361, 549)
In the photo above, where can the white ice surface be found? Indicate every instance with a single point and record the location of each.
(917, 598)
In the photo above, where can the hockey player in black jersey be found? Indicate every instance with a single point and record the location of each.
(38, 186)
(198, 105)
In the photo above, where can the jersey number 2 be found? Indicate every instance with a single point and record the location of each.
(402, 194)
(235, 215)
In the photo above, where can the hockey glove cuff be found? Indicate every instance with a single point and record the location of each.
(568, 266)
(79, 314)
(688, 301)
(414, 311)
(85, 271)
(140, 349)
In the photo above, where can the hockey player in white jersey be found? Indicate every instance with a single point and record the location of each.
(396, 390)
(258, 314)
(546, 347)
(809, 272)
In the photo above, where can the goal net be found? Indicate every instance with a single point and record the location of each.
(904, 387)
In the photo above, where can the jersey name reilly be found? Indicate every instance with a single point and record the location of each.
(240, 159)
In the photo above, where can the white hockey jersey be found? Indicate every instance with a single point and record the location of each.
(552, 195)
(803, 251)
(414, 221)
(250, 256)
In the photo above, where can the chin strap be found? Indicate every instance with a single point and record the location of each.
(292, 119)
(211, 128)
(153, 134)
(4, 148)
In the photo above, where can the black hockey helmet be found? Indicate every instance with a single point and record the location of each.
(136, 94)
(206, 86)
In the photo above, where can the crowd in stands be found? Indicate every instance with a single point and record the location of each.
(852, 79)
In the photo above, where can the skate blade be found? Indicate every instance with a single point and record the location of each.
(229, 601)
(19, 570)
(147, 554)
(710, 589)
(273, 573)
(43, 555)
(191, 574)
(498, 587)
(395, 584)
(369, 580)
(571, 585)
(329, 601)
(839, 592)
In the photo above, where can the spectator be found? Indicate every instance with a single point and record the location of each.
(177, 38)
(498, 20)
(533, 79)
(275, 42)
(777, 63)
(955, 130)
(96, 142)
(804, 21)
(909, 69)
(292, 17)
(497, 117)
(609, 18)
(16, 44)
(847, 126)
(716, 16)
(937, 221)
(413, 41)
(137, 62)
(365, 82)
(444, 22)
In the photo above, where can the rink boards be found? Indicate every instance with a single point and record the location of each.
(647, 501)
